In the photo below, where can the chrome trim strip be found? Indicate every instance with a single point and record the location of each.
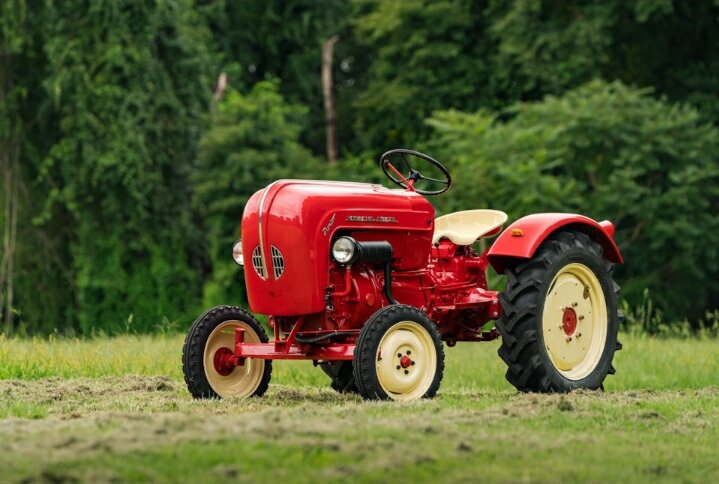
(262, 243)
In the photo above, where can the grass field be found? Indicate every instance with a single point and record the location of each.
(117, 409)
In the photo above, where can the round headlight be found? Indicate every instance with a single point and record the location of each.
(237, 253)
(344, 250)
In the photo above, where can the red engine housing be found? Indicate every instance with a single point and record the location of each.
(298, 220)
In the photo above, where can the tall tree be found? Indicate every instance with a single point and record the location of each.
(32, 283)
(283, 39)
(130, 83)
(252, 141)
(426, 56)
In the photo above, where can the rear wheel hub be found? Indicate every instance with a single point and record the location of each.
(569, 321)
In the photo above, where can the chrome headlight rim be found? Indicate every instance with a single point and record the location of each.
(345, 250)
(237, 254)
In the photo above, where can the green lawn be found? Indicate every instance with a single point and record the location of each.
(117, 409)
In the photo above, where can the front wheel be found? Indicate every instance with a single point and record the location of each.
(399, 355)
(210, 337)
(560, 319)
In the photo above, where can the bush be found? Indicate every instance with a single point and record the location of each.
(611, 152)
(647, 319)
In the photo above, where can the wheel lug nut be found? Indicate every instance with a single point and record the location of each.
(398, 367)
(409, 352)
(569, 338)
(574, 305)
(581, 317)
(413, 363)
(406, 372)
(579, 335)
(399, 355)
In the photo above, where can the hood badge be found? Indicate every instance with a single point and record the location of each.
(326, 230)
(371, 219)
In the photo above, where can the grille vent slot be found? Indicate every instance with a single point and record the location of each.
(258, 264)
(278, 262)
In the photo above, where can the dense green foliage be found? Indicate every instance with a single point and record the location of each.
(252, 140)
(123, 180)
(609, 152)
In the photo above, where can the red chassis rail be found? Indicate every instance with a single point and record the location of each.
(273, 351)
(280, 349)
(290, 349)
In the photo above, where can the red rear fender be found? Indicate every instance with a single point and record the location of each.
(521, 239)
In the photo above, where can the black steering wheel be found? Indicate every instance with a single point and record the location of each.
(392, 171)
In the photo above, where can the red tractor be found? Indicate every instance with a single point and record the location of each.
(366, 283)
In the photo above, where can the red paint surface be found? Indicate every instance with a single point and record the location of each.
(295, 214)
(537, 227)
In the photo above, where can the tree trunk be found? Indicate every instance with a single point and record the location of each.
(9, 168)
(329, 97)
(220, 87)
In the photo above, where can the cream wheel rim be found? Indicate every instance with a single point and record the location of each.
(574, 321)
(244, 379)
(406, 361)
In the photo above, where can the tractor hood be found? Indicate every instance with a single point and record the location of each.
(289, 226)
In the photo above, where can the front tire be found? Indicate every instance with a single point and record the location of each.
(399, 355)
(560, 320)
(212, 334)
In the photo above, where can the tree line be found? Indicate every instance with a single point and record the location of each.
(132, 133)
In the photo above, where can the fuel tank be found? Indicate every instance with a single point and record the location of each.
(289, 226)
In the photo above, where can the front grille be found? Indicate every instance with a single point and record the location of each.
(278, 262)
(258, 264)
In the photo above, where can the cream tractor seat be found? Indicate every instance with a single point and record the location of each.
(464, 228)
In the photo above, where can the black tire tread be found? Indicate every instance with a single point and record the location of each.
(194, 347)
(369, 338)
(520, 306)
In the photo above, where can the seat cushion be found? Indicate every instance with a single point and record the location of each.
(464, 228)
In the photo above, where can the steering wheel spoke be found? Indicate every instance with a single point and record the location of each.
(443, 182)
(414, 175)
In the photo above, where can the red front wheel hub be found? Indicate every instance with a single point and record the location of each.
(224, 361)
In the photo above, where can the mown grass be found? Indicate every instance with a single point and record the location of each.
(645, 363)
(117, 409)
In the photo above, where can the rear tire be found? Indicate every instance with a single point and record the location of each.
(560, 319)
(399, 355)
(211, 333)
